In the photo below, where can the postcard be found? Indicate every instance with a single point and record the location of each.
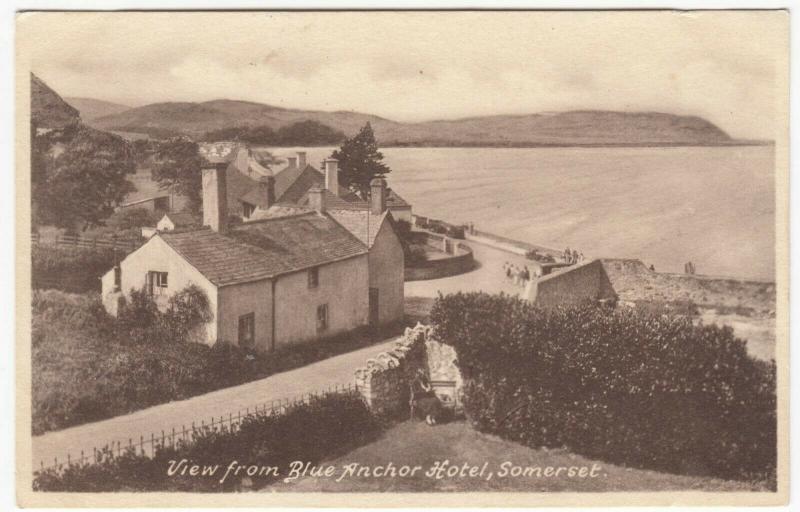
(457, 258)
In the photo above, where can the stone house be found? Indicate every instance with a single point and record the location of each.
(291, 185)
(374, 226)
(271, 282)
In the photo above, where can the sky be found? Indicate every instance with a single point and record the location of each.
(729, 67)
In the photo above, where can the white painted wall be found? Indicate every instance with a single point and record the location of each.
(156, 255)
(386, 272)
(343, 285)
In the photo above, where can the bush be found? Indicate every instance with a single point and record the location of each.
(323, 428)
(88, 366)
(74, 270)
(652, 391)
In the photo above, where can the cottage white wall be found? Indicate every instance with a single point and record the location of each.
(343, 285)
(386, 272)
(402, 213)
(241, 299)
(157, 256)
(165, 224)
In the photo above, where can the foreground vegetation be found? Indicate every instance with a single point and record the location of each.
(620, 385)
(88, 366)
(325, 427)
(417, 444)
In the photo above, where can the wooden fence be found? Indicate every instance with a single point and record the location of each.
(78, 241)
(147, 445)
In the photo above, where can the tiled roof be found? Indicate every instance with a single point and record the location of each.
(363, 224)
(183, 219)
(278, 210)
(393, 199)
(267, 248)
(256, 197)
(292, 184)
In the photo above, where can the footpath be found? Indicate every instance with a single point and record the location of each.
(314, 378)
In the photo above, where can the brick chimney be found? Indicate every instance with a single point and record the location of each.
(266, 186)
(377, 196)
(332, 175)
(316, 199)
(301, 159)
(291, 161)
(215, 196)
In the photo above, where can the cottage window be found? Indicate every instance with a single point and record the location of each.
(247, 330)
(248, 209)
(117, 276)
(313, 277)
(322, 317)
(156, 283)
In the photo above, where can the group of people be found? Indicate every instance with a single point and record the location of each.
(573, 256)
(519, 276)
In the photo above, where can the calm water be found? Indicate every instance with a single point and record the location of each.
(666, 206)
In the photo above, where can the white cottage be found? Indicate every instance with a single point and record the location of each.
(272, 282)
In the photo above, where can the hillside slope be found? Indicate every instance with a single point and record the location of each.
(48, 110)
(563, 128)
(91, 108)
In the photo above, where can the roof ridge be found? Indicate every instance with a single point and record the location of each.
(282, 217)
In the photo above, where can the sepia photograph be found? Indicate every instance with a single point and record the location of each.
(458, 258)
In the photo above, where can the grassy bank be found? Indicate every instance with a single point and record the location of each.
(417, 444)
(86, 369)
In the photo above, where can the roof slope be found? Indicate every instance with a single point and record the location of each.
(363, 224)
(263, 249)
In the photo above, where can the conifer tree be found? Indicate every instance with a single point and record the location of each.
(360, 161)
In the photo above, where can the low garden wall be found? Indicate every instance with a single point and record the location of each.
(456, 259)
(385, 381)
(586, 281)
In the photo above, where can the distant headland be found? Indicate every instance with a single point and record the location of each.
(578, 128)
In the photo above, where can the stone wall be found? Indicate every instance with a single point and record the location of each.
(385, 382)
(578, 283)
(458, 261)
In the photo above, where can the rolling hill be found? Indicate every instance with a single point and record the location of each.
(91, 108)
(586, 127)
(48, 110)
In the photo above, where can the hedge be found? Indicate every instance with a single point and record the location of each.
(88, 366)
(620, 385)
(75, 270)
(323, 428)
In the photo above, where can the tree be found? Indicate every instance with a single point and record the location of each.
(80, 186)
(360, 161)
(177, 168)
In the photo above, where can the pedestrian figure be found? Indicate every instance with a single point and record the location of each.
(424, 399)
(567, 255)
(574, 256)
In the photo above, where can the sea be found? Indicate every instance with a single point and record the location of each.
(713, 206)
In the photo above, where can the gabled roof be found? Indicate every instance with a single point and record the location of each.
(256, 197)
(183, 219)
(363, 224)
(264, 249)
(293, 183)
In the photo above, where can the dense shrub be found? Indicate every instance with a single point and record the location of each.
(87, 365)
(323, 428)
(625, 386)
(70, 269)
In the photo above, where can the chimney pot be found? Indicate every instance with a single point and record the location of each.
(267, 186)
(377, 196)
(332, 175)
(301, 159)
(292, 161)
(316, 199)
(215, 196)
